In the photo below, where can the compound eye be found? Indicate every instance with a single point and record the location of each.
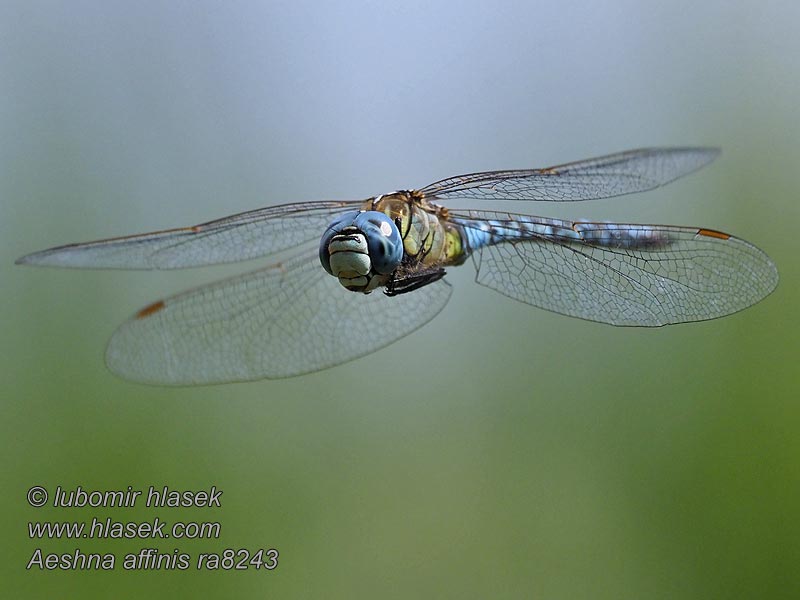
(383, 240)
(337, 225)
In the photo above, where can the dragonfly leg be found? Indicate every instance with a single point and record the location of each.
(403, 284)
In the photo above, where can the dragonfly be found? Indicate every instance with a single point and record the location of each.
(350, 277)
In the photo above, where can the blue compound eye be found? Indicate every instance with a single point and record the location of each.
(383, 240)
(335, 228)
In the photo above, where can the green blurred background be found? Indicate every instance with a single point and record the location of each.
(501, 451)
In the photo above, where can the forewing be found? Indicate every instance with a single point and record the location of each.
(238, 237)
(627, 274)
(281, 321)
(604, 177)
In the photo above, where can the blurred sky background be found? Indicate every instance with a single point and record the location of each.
(501, 451)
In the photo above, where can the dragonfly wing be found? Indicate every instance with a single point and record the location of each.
(626, 274)
(239, 237)
(604, 177)
(281, 321)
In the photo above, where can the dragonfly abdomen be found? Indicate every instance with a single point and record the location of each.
(479, 233)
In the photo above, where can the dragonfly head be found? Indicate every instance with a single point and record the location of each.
(362, 249)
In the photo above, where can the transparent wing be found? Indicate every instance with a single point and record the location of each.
(626, 274)
(238, 237)
(604, 177)
(285, 320)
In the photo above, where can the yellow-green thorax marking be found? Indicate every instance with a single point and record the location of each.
(428, 237)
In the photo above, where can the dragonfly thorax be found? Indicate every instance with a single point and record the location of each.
(362, 249)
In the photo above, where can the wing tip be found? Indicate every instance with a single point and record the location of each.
(43, 258)
(61, 257)
(705, 155)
